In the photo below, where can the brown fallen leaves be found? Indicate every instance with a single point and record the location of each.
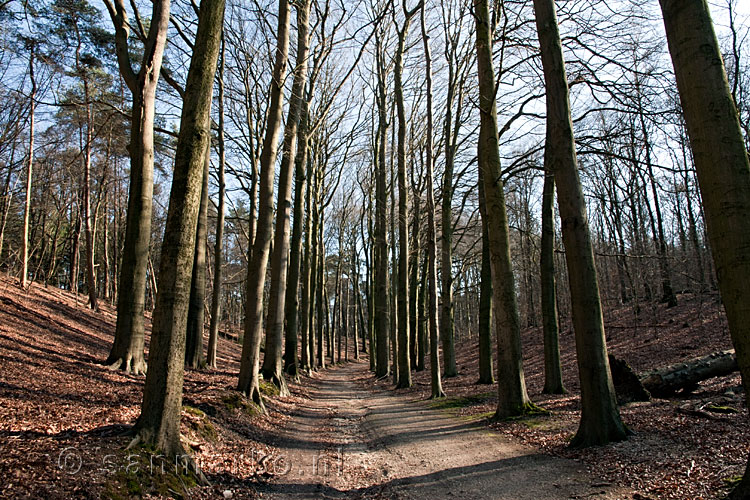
(63, 416)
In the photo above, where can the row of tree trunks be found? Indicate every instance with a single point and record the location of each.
(249, 383)
(273, 362)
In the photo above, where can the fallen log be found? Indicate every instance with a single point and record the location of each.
(685, 376)
(666, 382)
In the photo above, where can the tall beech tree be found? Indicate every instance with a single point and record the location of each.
(457, 64)
(381, 318)
(553, 383)
(196, 311)
(600, 417)
(432, 306)
(249, 383)
(29, 170)
(272, 362)
(292, 302)
(723, 171)
(306, 342)
(128, 346)
(512, 396)
(402, 343)
(159, 422)
(485, 296)
(213, 329)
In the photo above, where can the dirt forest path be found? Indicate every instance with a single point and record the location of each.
(352, 440)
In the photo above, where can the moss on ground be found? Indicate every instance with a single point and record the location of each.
(721, 409)
(236, 401)
(268, 388)
(141, 472)
(529, 410)
(454, 402)
(193, 411)
(200, 424)
(475, 417)
(732, 481)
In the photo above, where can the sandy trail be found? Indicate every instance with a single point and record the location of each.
(352, 440)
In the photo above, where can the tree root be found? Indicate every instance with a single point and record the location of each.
(128, 364)
(183, 462)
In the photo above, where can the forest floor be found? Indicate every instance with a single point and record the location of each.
(64, 418)
(678, 450)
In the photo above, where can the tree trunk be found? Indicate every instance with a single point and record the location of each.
(432, 315)
(553, 383)
(723, 172)
(52, 267)
(213, 329)
(668, 295)
(404, 363)
(393, 339)
(414, 280)
(325, 303)
(512, 396)
(422, 325)
(196, 310)
(320, 279)
(447, 325)
(314, 262)
(128, 346)
(272, 362)
(345, 324)
(600, 418)
(107, 284)
(29, 171)
(338, 298)
(159, 422)
(74, 244)
(370, 266)
(380, 317)
(357, 316)
(305, 306)
(485, 296)
(292, 302)
(88, 232)
(249, 382)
